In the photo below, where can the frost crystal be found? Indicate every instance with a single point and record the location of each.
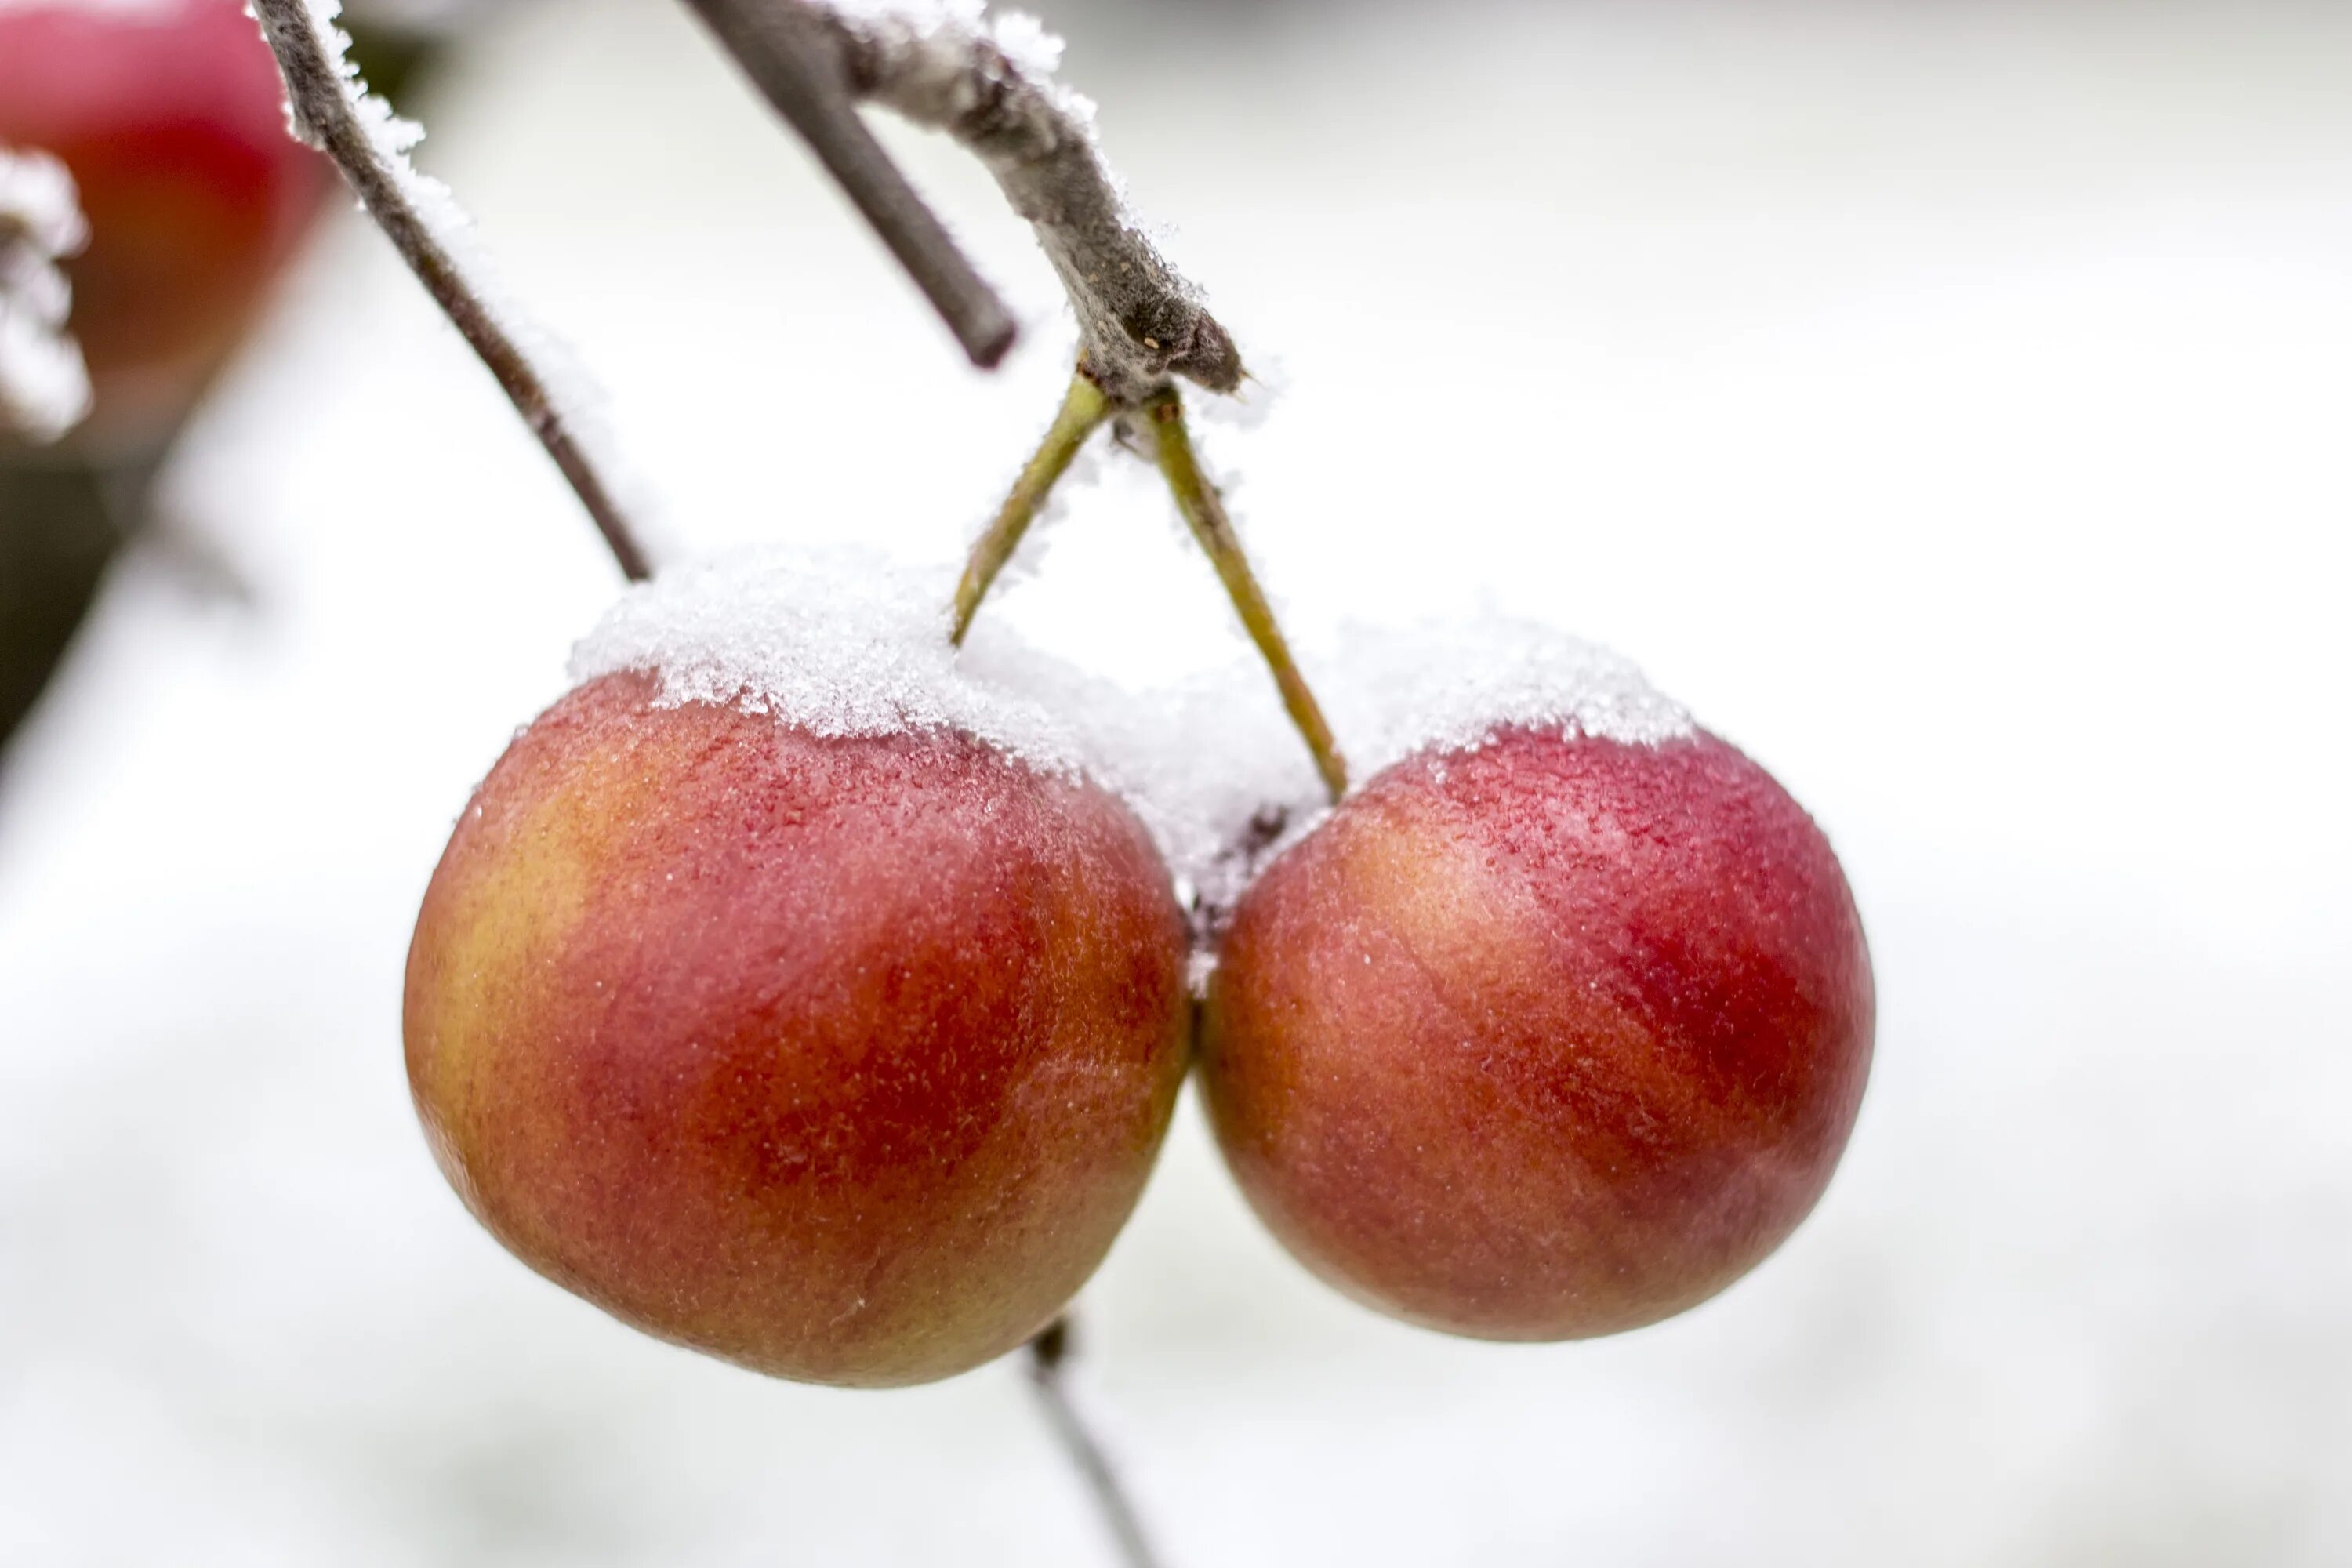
(849, 642)
(1229, 784)
(936, 38)
(1451, 687)
(44, 386)
(839, 642)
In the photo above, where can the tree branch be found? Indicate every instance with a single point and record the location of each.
(797, 61)
(1049, 1355)
(1138, 321)
(328, 107)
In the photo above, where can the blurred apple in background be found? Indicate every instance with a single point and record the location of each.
(170, 119)
(170, 116)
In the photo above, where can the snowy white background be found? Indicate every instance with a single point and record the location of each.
(1949, 403)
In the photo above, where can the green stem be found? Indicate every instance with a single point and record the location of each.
(1204, 512)
(1083, 412)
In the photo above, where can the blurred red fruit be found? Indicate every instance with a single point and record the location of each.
(845, 1060)
(1547, 1038)
(169, 113)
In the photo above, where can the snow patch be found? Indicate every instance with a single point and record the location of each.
(937, 35)
(1449, 686)
(842, 641)
(44, 385)
(1228, 781)
(849, 641)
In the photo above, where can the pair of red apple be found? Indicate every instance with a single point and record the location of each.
(844, 1052)
(840, 1044)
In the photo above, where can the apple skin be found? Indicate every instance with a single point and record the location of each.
(1546, 1039)
(171, 117)
(843, 1059)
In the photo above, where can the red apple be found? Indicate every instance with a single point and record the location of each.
(169, 114)
(1547, 1037)
(842, 1058)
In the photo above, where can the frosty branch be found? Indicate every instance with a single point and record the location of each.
(1140, 325)
(1139, 321)
(328, 107)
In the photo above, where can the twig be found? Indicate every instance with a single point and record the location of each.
(1139, 321)
(1140, 324)
(1204, 511)
(797, 61)
(1082, 414)
(1049, 1355)
(328, 108)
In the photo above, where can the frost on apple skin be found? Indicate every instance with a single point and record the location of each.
(850, 642)
(1391, 693)
(841, 642)
(44, 385)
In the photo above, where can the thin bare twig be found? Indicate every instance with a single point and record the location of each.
(796, 59)
(1049, 1355)
(1140, 325)
(1204, 512)
(1082, 414)
(328, 108)
(1139, 321)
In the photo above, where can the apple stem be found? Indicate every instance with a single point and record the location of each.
(325, 99)
(1204, 512)
(1049, 1356)
(1082, 412)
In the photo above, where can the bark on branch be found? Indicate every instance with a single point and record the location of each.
(1140, 323)
(796, 58)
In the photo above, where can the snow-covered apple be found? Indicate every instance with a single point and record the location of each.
(835, 1041)
(1545, 1033)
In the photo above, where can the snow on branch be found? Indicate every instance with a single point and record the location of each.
(328, 107)
(44, 385)
(988, 82)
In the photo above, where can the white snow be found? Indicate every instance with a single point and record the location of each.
(839, 641)
(938, 36)
(1214, 764)
(1450, 685)
(44, 385)
(847, 641)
